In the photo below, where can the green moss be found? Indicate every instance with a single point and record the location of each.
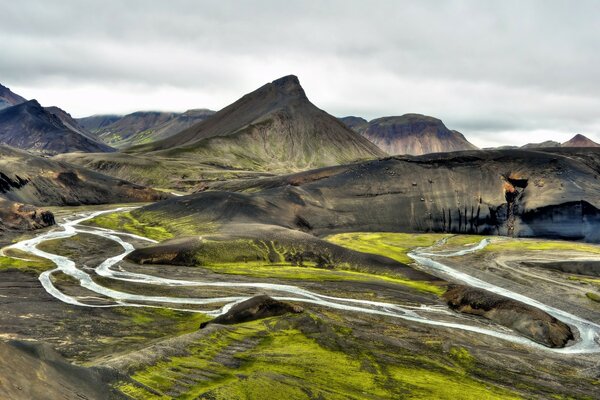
(541, 245)
(311, 273)
(25, 262)
(163, 321)
(593, 296)
(125, 221)
(462, 356)
(392, 245)
(285, 363)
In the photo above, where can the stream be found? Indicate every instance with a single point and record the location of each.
(589, 332)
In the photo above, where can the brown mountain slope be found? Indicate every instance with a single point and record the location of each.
(30, 127)
(580, 141)
(274, 128)
(413, 134)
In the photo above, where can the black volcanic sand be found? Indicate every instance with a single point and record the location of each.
(55, 377)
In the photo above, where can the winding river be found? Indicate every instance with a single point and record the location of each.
(589, 332)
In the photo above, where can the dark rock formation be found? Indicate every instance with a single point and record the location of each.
(510, 192)
(258, 307)
(17, 216)
(527, 320)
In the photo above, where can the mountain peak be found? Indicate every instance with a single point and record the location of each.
(9, 98)
(580, 141)
(289, 86)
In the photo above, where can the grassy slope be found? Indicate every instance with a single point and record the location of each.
(287, 363)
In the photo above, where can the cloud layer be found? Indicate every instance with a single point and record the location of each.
(507, 72)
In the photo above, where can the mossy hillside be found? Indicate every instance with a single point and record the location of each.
(308, 273)
(282, 359)
(134, 327)
(392, 245)
(278, 260)
(593, 296)
(126, 222)
(24, 263)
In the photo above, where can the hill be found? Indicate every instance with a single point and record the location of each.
(580, 141)
(509, 192)
(26, 178)
(413, 134)
(274, 128)
(29, 126)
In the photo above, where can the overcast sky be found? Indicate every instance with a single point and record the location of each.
(503, 72)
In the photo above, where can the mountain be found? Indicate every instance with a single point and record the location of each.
(542, 145)
(274, 128)
(505, 192)
(8, 98)
(29, 126)
(357, 124)
(69, 121)
(413, 134)
(97, 122)
(133, 127)
(580, 141)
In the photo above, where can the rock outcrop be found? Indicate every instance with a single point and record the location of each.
(529, 321)
(257, 307)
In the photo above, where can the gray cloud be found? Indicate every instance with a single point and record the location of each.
(498, 71)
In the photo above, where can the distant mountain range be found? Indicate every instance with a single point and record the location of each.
(274, 129)
(412, 134)
(576, 141)
(142, 126)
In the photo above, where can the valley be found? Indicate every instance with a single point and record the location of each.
(271, 250)
(340, 306)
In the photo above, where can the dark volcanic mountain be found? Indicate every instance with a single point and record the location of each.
(31, 127)
(509, 192)
(413, 134)
(69, 121)
(580, 141)
(8, 98)
(273, 128)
